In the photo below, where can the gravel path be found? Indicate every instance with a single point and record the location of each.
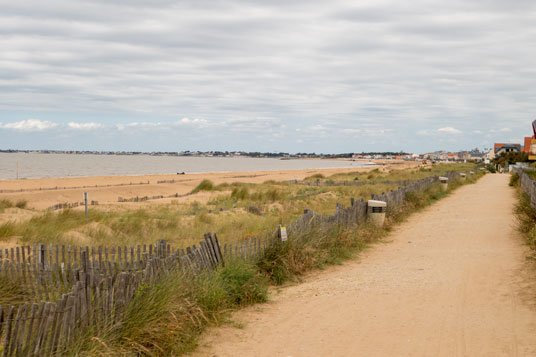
(452, 281)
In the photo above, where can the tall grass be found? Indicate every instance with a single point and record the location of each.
(205, 185)
(166, 318)
(4, 203)
(235, 210)
(525, 215)
(13, 292)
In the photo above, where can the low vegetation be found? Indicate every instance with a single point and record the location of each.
(205, 185)
(166, 318)
(10, 204)
(525, 215)
(236, 210)
(510, 158)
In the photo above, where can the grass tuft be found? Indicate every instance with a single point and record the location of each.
(5, 204)
(166, 319)
(314, 177)
(514, 179)
(205, 185)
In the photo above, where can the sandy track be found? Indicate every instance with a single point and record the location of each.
(453, 282)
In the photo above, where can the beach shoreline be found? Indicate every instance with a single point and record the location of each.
(43, 193)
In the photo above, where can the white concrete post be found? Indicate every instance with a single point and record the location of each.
(376, 212)
(444, 183)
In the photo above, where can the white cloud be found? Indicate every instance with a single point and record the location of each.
(423, 132)
(198, 123)
(449, 130)
(30, 125)
(477, 132)
(84, 126)
(505, 130)
(139, 125)
(351, 131)
(338, 66)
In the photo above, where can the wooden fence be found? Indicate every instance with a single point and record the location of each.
(70, 289)
(147, 198)
(527, 184)
(64, 205)
(71, 187)
(329, 182)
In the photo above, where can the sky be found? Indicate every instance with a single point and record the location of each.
(293, 76)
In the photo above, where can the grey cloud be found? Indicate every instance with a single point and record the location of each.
(250, 69)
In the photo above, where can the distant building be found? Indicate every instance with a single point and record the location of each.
(490, 155)
(501, 148)
(452, 156)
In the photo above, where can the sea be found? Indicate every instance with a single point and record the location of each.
(40, 165)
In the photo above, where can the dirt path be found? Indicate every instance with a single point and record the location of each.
(453, 282)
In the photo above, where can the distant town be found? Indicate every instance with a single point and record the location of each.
(470, 155)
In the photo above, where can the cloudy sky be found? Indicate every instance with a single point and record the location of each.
(314, 76)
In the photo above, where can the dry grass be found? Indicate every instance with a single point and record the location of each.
(166, 319)
(241, 210)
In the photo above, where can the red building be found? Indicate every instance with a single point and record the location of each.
(528, 142)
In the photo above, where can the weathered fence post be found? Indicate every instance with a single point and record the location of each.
(42, 256)
(161, 248)
(282, 233)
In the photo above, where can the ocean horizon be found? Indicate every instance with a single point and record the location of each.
(42, 165)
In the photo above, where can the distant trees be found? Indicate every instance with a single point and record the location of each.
(511, 158)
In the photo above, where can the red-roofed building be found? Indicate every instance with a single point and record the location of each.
(452, 156)
(502, 148)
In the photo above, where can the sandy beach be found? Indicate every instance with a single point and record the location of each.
(106, 190)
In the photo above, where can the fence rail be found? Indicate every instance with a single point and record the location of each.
(55, 188)
(73, 288)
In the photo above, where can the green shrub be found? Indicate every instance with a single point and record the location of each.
(5, 204)
(315, 177)
(242, 283)
(21, 204)
(240, 193)
(514, 179)
(205, 185)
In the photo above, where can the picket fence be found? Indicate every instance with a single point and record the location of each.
(70, 289)
(319, 182)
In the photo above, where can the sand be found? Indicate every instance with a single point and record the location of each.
(46, 192)
(452, 281)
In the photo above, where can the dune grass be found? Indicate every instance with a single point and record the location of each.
(236, 211)
(401, 174)
(205, 185)
(525, 215)
(4, 203)
(168, 317)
